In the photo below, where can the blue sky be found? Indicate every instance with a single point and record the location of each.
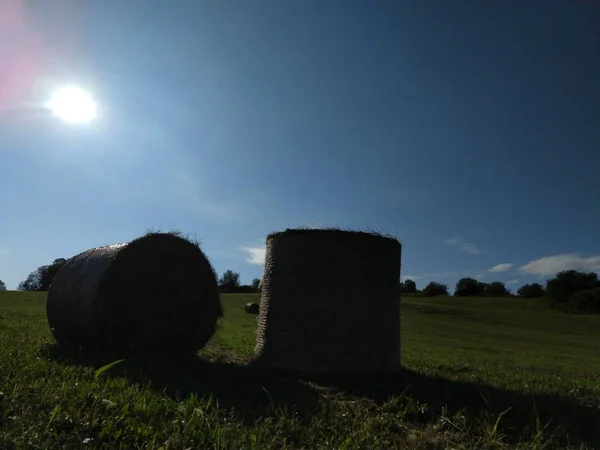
(468, 129)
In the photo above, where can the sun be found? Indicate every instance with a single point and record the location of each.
(73, 105)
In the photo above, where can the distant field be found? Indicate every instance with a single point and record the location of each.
(479, 373)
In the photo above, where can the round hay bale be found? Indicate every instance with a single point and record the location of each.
(252, 308)
(158, 292)
(329, 303)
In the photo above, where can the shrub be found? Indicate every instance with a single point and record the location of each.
(586, 302)
(468, 287)
(534, 290)
(434, 289)
(495, 289)
(409, 286)
(560, 289)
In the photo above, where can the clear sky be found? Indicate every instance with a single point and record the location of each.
(469, 129)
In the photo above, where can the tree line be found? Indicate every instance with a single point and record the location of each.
(230, 283)
(41, 278)
(470, 287)
(569, 291)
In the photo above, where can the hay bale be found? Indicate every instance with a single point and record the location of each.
(158, 292)
(329, 303)
(252, 308)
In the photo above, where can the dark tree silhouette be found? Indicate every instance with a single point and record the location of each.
(534, 290)
(560, 288)
(585, 302)
(469, 287)
(434, 289)
(256, 284)
(41, 278)
(496, 289)
(2, 286)
(409, 286)
(229, 282)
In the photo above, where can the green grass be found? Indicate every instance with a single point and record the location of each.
(478, 373)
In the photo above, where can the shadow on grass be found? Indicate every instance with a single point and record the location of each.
(569, 422)
(253, 394)
(248, 393)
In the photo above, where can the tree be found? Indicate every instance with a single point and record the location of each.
(496, 289)
(566, 283)
(469, 287)
(41, 278)
(585, 302)
(229, 282)
(32, 283)
(2, 286)
(409, 286)
(433, 289)
(256, 284)
(534, 290)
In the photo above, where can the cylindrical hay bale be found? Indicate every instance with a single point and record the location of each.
(158, 292)
(252, 308)
(330, 303)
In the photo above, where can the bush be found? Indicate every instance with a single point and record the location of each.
(560, 289)
(495, 289)
(534, 290)
(409, 286)
(434, 289)
(585, 302)
(469, 287)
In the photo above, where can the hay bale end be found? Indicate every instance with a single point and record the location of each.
(252, 308)
(156, 293)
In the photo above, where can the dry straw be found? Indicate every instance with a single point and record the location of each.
(158, 292)
(330, 303)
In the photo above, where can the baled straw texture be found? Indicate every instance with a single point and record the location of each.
(158, 292)
(329, 303)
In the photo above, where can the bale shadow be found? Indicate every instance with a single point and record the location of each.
(249, 393)
(570, 422)
(252, 393)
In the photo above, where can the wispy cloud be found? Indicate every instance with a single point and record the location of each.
(463, 245)
(501, 267)
(512, 282)
(255, 255)
(440, 275)
(189, 190)
(550, 265)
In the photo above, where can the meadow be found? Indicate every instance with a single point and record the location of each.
(477, 373)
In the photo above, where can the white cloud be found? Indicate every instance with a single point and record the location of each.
(436, 275)
(550, 265)
(464, 246)
(501, 267)
(512, 282)
(255, 255)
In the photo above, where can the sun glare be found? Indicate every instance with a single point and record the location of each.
(73, 104)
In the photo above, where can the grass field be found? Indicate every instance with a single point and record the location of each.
(478, 373)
